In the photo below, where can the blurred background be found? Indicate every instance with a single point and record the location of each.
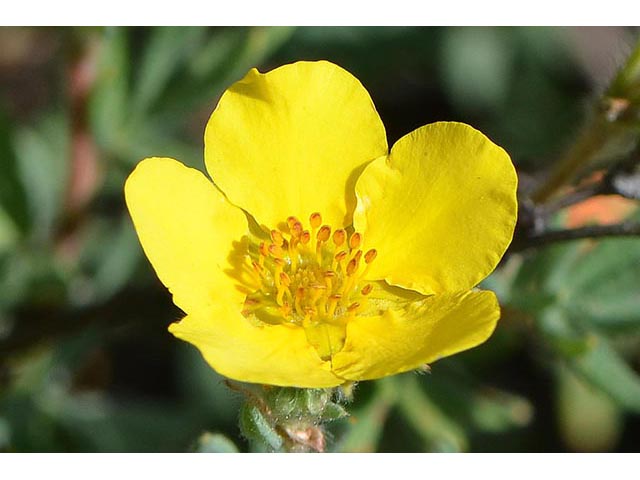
(86, 362)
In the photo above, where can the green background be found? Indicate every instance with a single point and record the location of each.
(86, 362)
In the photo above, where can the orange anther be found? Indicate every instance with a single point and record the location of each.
(339, 236)
(257, 267)
(291, 221)
(305, 236)
(285, 279)
(358, 255)
(324, 233)
(315, 220)
(277, 237)
(355, 240)
(352, 266)
(367, 289)
(341, 256)
(329, 274)
(296, 229)
(276, 251)
(263, 249)
(370, 256)
(353, 307)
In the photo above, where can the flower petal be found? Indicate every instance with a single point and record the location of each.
(270, 354)
(293, 142)
(187, 229)
(440, 210)
(422, 332)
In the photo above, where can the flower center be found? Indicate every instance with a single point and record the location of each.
(309, 276)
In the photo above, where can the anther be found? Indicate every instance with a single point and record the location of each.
(283, 288)
(305, 236)
(366, 290)
(328, 279)
(315, 220)
(285, 279)
(337, 259)
(264, 252)
(276, 250)
(355, 241)
(257, 267)
(290, 221)
(370, 256)
(296, 230)
(324, 233)
(333, 302)
(353, 307)
(316, 292)
(339, 236)
(277, 237)
(352, 266)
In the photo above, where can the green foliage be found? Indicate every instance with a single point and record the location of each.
(86, 363)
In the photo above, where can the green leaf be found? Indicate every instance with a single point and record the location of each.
(563, 335)
(366, 424)
(439, 432)
(477, 66)
(476, 407)
(215, 443)
(109, 102)
(112, 255)
(604, 285)
(13, 202)
(603, 367)
(167, 49)
(43, 160)
(589, 420)
(258, 430)
(594, 284)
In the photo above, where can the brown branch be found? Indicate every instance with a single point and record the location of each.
(625, 229)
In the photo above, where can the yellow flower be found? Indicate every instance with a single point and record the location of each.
(316, 257)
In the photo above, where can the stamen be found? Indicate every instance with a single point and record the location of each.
(302, 287)
(328, 279)
(277, 237)
(283, 288)
(279, 264)
(296, 229)
(339, 236)
(290, 221)
(317, 290)
(315, 220)
(355, 241)
(323, 235)
(264, 252)
(338, 259)
(352, 266)
(333, 303)
(370, 256)
(276, 251)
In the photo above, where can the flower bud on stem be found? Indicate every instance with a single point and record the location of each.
(285, 419)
